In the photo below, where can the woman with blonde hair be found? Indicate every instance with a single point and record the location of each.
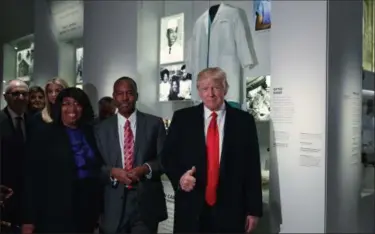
(51, 89)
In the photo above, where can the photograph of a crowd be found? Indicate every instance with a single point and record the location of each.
(175, 83)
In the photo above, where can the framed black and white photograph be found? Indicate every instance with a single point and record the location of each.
(25, 63)
(79, 65)
(258, 101)
(172, 39)
(174, 83)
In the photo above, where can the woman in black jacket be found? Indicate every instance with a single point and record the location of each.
(63, 190)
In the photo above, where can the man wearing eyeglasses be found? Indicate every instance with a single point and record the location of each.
(13, 134)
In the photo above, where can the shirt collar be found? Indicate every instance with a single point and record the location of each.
(13, 114)
(208, 112)
(132, 118)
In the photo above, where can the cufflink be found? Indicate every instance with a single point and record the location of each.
(114, 183)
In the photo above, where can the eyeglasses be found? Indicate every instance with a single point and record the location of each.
(18, 93)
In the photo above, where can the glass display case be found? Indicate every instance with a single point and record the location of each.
(23, 59)
(25, 62)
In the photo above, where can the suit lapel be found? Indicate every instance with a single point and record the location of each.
(27, 124)
(228, 128)
(140, 137)
(200, 143)
(200, 128)
(10, 122)
(114, 142)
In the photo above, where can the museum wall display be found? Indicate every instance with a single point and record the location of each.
(111, 50)
(257, 42)
(143, 35)
(79, 65)
(258, 102)
(368, 128)
(315, 100)
(175, 83)
(67, 17)
(172, 39)
(367, 209)
(219, 39)
(46, 64)
(18, 59)
(3, 87)
(344, 116)
(25, 63)
(58, 24)
(262, 14)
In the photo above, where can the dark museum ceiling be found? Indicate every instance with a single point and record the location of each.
(16, 19)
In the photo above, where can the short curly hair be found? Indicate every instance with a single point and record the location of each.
(81, 97)
(163, 73)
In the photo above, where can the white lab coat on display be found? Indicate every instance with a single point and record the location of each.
(223, 44)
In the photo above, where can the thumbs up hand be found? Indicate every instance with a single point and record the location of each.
(187, 181)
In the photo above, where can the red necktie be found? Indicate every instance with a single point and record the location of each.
(213, 151)
(128, 146)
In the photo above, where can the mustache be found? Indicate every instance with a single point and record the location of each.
(124, 104)
(21, 102)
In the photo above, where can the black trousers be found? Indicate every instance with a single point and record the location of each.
(207, 220)
(131, 221)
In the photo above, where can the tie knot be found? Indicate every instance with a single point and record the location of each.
(214, 114)
(127, 124)
(19, 118)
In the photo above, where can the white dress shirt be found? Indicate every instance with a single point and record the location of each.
(121, 120)
(220, 123)
(14, 116)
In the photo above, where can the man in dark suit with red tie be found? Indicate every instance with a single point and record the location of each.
(211, 157)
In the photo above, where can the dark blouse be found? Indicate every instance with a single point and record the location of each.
(83, 154)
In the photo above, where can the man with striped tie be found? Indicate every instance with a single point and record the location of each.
(130, 142)
(211, 156)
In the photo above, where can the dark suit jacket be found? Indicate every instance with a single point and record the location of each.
(12, 156)
(239, 191)
(36, 123)
(54, 197)
(150, 135)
